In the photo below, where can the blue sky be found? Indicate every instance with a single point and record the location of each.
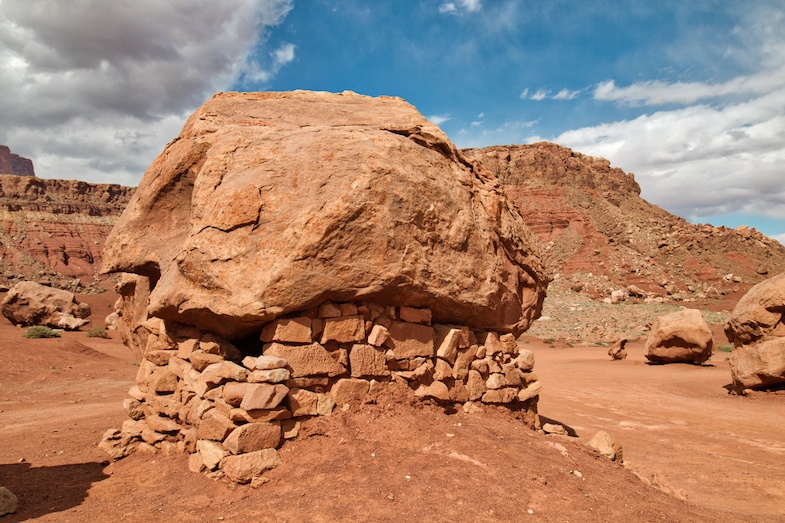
(690, 96)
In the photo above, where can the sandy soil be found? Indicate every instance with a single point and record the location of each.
(720, 457)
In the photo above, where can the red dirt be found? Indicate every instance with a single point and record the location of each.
(395, 458)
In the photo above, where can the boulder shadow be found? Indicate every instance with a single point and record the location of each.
(46, 490)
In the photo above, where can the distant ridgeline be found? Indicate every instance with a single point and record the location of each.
(53, 231)
(14, 164)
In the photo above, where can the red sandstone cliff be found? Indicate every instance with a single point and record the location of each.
(14, 164)
(598, 233)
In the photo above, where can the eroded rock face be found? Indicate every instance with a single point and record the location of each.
(29, 303)
(269, 203)
(757, 330)
(680, 337)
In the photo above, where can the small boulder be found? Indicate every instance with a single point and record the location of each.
(618, 351)
(680, 337)
(29, 303)
(8, 501)
(603, 443)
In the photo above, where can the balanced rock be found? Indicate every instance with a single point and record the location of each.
(680, 337)
(29, 303)
(270, 203)
(757, 330)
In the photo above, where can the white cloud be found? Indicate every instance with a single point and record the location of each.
(510, 132)
(566, 94)
(659, 92)
(460, 7)
(94, 90)
(780, 238)
(700, 160)
(539, 95)
(256, 72)
(438, 119)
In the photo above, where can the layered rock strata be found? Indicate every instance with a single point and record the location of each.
(230, 408)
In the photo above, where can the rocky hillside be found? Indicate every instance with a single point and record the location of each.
(53, 231)
(599, 235)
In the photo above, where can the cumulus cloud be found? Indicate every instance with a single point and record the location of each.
(700, 160)
(94, 90)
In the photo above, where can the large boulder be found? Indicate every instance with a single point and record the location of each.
(757, 330)
(680, 337)
(269, 203)
(29, 303)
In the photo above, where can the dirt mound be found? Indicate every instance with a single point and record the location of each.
(599, 235)
(75, 347)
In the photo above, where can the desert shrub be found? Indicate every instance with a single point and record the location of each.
(97, 332)
(725, 348)
(41, 331)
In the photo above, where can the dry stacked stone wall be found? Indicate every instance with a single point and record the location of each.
(231, 407)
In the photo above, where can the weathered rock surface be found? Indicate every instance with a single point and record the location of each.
(28, 303)
(269, 203)
(680, 337)
(599, 234)
(54, 230)
(8, 501)
(14, 164)
(757, 330)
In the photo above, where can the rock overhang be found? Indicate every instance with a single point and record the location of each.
(270, 203)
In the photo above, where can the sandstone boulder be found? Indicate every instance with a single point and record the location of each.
(757, 330)
(269, 203)
(29, 303)
(759, 313)
(680, 337)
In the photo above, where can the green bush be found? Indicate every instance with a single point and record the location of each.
(97, 332)
(41, 331)
(725, 348)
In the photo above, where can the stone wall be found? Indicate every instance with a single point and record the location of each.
(231, 406)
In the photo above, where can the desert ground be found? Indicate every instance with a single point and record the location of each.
(692, 452)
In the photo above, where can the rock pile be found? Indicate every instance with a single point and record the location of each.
(29, 303)
(293, 250)
(757, 330)
(680, 337)
(231, 408)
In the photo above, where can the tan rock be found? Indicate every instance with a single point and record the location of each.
(160, 357)
(253, 436)
(303, 402)
(447, 340)
(266, 362)
(529, 392)
(525, 360)
(415, 315)
(617, 350)
(29, 303)
(462, 362)
(218, 373)
(680, 337)
(324, 404)
(162, 381)
(379, 334)
(214, 344)
(367, 361)
(200, 360)
(215, 426)
(211, 453)
(428, 230)
(234, 392)
(290, 428)
(500, 395)
(306, 360)
(436, 390)
(291, 330)
(408, 340)
(348, 389)
(344, 329)
(758, 365)
(442, 370)
(179, 367)
(329, 310)
(603, 443)
(263, 396)
(242, 468)
(269, 376)
(186, 347)
(475, 385)
(196, 463)
(260, 415)
(759, 313)
(161, 424)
